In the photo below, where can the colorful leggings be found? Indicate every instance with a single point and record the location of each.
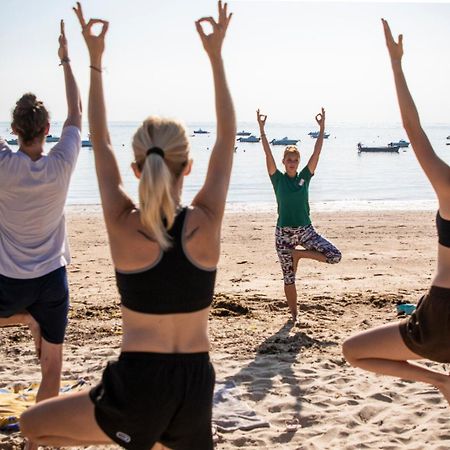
(287, 238)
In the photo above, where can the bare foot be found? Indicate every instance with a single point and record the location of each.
(35, 330)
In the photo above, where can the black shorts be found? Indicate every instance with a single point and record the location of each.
(427, 331)
(46, 298)
(145, 398)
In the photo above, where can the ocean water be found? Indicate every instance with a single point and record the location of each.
(344, 179)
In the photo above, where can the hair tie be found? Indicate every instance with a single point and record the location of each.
(156, 150)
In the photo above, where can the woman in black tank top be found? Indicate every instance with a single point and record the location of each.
(388, 349)
(165, 258)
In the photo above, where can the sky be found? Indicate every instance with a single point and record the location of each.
(288, 58)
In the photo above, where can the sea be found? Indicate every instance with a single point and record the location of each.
(344, 179)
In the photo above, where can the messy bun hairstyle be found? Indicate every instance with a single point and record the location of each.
(159, 172)
(29, 118)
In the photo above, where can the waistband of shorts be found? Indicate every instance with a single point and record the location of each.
(164, 357)
(439, 292)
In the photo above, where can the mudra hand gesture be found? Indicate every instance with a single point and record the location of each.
(212, 43)
(261, 118)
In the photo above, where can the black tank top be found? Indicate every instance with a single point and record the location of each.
(443, 229)
(174, 284)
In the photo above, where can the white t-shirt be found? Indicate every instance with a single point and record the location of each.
(33, 238)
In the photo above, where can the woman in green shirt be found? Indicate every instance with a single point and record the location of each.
(294, 226)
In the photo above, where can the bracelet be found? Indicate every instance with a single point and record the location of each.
(263, 135)
(96, 68)
(64, 60)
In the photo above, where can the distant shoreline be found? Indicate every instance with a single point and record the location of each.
(331, 206)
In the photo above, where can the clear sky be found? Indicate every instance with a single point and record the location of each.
(287, 57)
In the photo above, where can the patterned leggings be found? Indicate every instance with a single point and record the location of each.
(287, 238)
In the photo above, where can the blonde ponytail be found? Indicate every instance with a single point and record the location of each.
(159, 173)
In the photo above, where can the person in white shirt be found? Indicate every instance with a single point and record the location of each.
(33, 244)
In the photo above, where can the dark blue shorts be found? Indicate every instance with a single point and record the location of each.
(46, 298)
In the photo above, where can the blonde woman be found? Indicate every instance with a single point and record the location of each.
(294, 227)
(389, 349)
(160, 389)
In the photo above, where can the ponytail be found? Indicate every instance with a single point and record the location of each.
(159, 172)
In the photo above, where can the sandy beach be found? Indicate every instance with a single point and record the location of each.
(293, 377)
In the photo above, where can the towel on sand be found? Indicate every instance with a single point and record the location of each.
(15, 400)
(230, 413)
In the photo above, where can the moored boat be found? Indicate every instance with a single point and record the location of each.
(315, 134)
(51, 138)
(401, 143)
(243, 133)
(200, 131)
(284, 141)
(249, 139)
(386, 149)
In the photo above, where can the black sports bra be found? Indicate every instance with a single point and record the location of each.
(174, 284)
(443, 229)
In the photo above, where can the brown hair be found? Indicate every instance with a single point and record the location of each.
(158, 174)
(29, 118)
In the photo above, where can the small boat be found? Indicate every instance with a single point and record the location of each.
(363, 148)
(243, 133)
(12, 142)
(315, 134)
(284, 141)
(401, 143)
(86, 143)
(249, 139)
(200, 131)
(51, 138)
(448, 137)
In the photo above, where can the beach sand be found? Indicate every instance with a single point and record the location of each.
(295, 378)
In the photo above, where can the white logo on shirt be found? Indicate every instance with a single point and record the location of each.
(123, 437)
(301, 182)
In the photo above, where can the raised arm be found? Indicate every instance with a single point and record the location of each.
(72, 92)
(212, 195)
(114, 200)
(314, 160)
(270, 162)
(437, 171)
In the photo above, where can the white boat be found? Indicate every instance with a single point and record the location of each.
(249, 139)
(284, 141)
(315, 134)
(86, 143)
(401, 143)
(51, 138)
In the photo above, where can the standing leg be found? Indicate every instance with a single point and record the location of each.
(382, 350)
(285, 241)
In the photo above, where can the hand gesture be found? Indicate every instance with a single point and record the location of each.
(320, 119)
(261, 118)
(63, 51)
(395, 49)
(212, 43)
(95, 44)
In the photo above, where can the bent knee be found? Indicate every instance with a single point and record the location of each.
(349, 351)
(27, 424)
(334, 258)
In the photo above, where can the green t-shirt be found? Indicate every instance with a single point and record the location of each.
(292, 198)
